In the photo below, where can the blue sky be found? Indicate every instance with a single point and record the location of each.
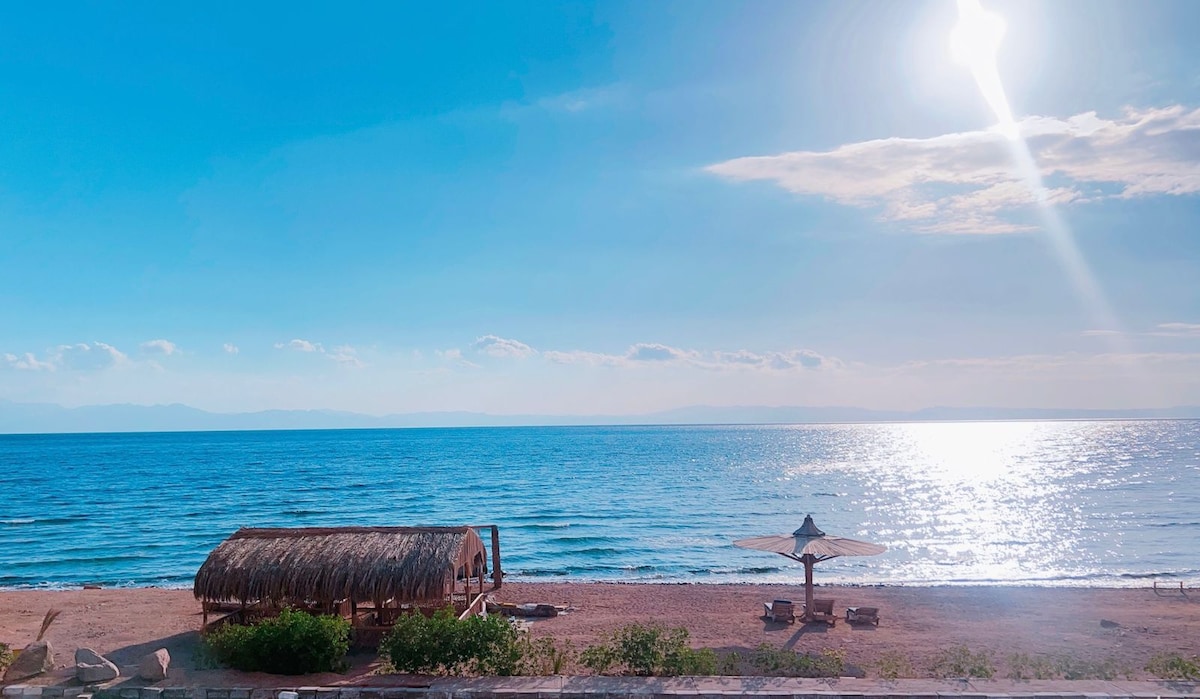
(580, 208)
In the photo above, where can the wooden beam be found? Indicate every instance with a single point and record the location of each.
(497, 576)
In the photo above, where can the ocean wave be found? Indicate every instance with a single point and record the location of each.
(18, 521)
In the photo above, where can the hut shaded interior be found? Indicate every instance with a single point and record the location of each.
(370, 574)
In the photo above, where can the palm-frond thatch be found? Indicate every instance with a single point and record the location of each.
(325, 565)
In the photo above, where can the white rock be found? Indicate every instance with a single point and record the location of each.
(154, 666)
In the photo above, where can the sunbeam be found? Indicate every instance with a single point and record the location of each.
(975, 42)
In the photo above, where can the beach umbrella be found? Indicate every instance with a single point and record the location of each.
(810, 545)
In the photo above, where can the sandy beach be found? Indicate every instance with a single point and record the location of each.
(1125, 626)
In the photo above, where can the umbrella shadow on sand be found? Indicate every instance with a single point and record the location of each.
(809, 545)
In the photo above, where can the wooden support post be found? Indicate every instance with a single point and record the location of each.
(497, 576)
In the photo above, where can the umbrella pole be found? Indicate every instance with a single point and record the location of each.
(808, 586)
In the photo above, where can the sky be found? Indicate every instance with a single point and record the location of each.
(582, 208)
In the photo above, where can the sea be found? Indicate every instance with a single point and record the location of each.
(1064, 503)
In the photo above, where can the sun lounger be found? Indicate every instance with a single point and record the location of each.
(862, 615)
(780, 610)
(823, 611)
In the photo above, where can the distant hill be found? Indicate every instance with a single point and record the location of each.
(17, 418)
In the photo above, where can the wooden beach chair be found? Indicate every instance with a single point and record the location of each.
(780, 610)
(823, 611)
(862, 615)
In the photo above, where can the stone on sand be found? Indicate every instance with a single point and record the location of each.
(154, 666)
(91, 667)
(36, 658)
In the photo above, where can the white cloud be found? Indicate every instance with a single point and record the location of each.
(494, 346)
(164, 347)
(300, 345)
(455, 356)
(646, 354)
(654, 352)
(28, 362)
(346, 356)
(88, 357)
(966, 182)
(583, 357)
(230, 348)
(1178, 330)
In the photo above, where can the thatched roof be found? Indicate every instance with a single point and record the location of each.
(375, 564)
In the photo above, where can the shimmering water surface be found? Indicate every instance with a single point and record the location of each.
(1049, 503)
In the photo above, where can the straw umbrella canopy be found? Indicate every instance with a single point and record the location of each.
(810, 545)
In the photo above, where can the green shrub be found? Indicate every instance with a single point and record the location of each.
(6, 656)
(649, 649)
(1172, 666)
(769, 660)
(544, 656)
(293, 643)
(961, 662)
(1022, 666)
(729, 665)
(893, 666)
(445, 645)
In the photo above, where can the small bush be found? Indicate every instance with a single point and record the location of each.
(961, 662)
(769, 660)
(893, 666)
(1172, 666)
(1022, 666)
(293, 643)
(729, 665)
(6, 656)
(646, 650)
(445, 645)
(544, 656)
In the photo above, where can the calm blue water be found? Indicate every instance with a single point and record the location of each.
(1048, 503)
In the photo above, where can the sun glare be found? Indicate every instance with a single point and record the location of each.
(974, 43)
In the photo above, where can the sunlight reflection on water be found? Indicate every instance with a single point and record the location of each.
(1062, 503)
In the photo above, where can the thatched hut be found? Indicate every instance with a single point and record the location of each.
(367, 573)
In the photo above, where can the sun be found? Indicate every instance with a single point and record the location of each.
(974, 43)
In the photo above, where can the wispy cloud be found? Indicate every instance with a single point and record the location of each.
(28, 362)
(578, 101)
(230, 348)
(300, 345)
(163, 347)
(1178, 330)
(89, 356)
(494, 346)
(966, 182)
(648, 354)
(82, 356)
(344, 355)
(455, 356)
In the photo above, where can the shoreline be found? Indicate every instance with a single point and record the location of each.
(1121, 628)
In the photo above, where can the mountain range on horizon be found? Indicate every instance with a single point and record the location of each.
(42, 418)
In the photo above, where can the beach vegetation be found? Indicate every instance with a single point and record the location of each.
(729, 664)
(293, 643)
(1022, 666)
(6, 656)
(781, 662)
(1173, 666)
(546, 656)
(961, 662)
(893, 665)
(443, 644)
(646, 650)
